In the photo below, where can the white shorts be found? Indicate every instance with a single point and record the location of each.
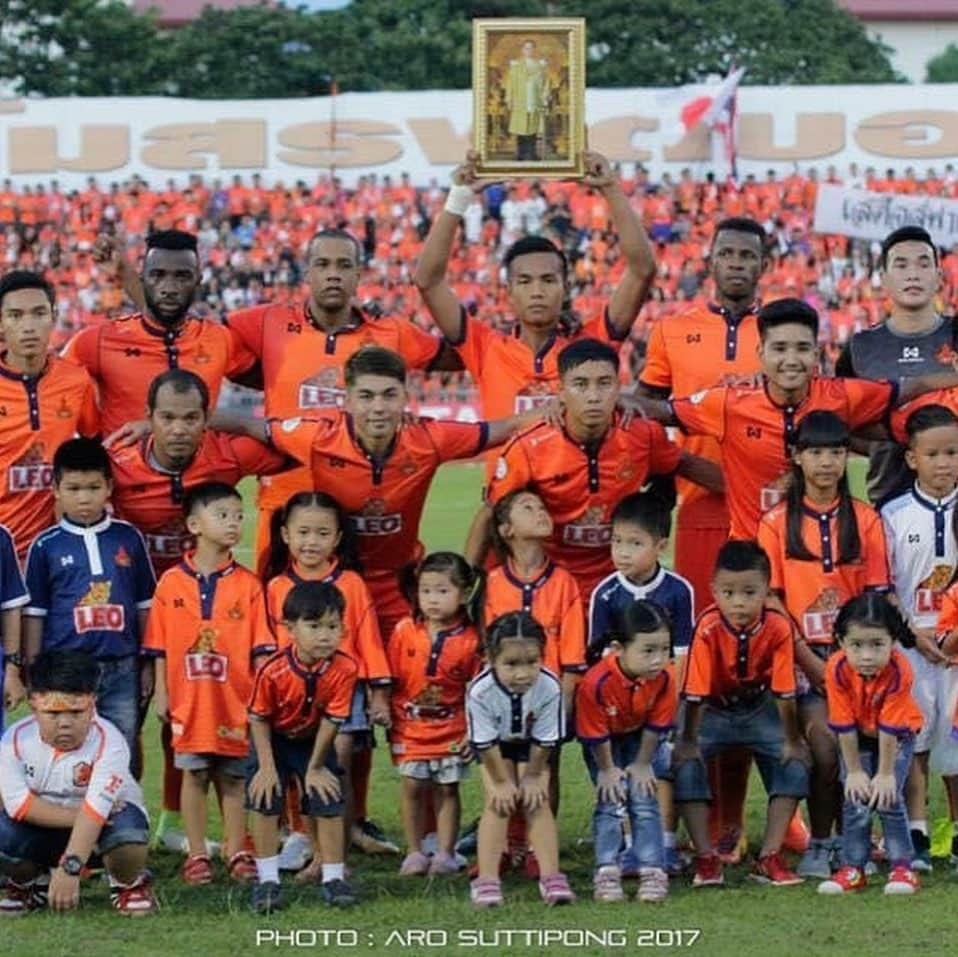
(935, 690)
(944, 747)
(449, 770)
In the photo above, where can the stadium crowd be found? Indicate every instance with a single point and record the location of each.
(802, 627)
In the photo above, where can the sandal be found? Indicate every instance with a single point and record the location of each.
(241, 867)
(198, 869)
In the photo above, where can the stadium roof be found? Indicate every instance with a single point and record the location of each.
(902, 9)
(174, 13)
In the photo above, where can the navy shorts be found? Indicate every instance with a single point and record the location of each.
(292, 760)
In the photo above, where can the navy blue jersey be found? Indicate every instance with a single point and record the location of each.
(88, 583)
(13, 592)
(668, 590)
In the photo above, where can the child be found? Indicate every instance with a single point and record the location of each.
(528, 580)
(66, 791)
(920, 528)
(870, 707)
(641, 525)
(207, 631)
(514, 714)
(739, 689)
(824, 548)
(13, 596)
(433, 656)
(311, 540)
(624, 705)
(91, 584)
(301, 697)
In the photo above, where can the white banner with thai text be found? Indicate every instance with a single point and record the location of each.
(865, 215)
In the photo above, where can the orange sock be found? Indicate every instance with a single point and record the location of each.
(361, 769)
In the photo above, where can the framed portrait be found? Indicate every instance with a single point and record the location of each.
(528, 88)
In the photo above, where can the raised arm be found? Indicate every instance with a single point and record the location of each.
(430, 275)
(633, 242)
(109, 256)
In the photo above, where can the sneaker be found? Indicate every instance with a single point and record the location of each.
(241, 867)
(675, 862)
(469, 840)
(430, 844)
(922, 859)
(296, 852)
(371, 839)
(338, 893)
(530, 866)
(653, 885)
(555, 889)
(486, 892)
(21, 899)
(198, 869)
(266, 898)
(708, 871)
(772, 869)
(732, 846)
(136, 899)
(902, 880)
(607, 885)
(443, 864)
(797, 835)
(846, 880)
(816, 861)
(414, 864)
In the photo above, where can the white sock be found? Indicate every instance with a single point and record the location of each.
(334, 872)
(919, 826)
(267, 869)
(668, 839)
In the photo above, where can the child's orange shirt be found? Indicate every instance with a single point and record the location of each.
(208, 629)
(429, 691)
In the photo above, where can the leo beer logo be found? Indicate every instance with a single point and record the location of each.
(321, 391)
(590, 531)
(202, 662)
(30, 473)
(167, 542)
(93, 612)
(775, 492)
(818, 620)
(532, 395)
(929, 593)
(373, 519)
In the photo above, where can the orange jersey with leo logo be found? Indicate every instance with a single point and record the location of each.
(581, 485)
(302, 366)
(152, 499)
(37, 414)
(384, 499)
(755, 433)
(698, 349)
(814, 591)
(361, 639)
(552, 597)
(429, 694)
(208, 630)
(123, 357)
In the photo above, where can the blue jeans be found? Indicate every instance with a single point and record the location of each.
(857, 818)
(44, 846)
(118, 696)
(642, 811)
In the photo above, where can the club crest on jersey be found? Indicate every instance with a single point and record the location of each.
(64, 411)
(30, 473)
(202, 662)
(946, 355)
(928, 594)
(818, 620)
(592, 530)
(93, 612)
(81, 774)
(122, 558)
(775, 492)
(235, 612)
(373, 519)
(321, 391)
(201, 357)
(532, 396)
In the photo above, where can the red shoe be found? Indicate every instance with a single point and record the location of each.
(845, 880)
(902, 880)
(136, 899)
(708, 871)
(198, 869)
(242, 867)
(797, 836)
(772, 869)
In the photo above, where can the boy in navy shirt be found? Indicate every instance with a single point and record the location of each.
(91, 584)
(641, 524)
(13, 596)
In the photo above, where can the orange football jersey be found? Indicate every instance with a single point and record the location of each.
(37, 414)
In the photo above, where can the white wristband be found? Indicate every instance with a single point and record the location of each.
(459, 200)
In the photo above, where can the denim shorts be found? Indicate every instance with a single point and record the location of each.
(292, 760)
(358, 719)
(449, 770)
(214, 763)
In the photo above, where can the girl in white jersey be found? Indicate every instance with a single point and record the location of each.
(921, 529)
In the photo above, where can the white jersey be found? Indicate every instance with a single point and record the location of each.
(922, 552)
(495, 715)
(95, 776)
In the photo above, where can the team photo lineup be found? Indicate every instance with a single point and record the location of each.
(717, 530)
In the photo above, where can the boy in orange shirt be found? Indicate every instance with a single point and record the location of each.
(207, 629)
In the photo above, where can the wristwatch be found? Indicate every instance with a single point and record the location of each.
(71, 865)
(13, 658)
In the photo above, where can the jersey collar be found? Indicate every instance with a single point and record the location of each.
(749, 631)
(149, 457)
(357, 318)
(787, 408)
(188, 564)
(541, 576)
(75, 528)
(718, 310)
(641, 591)
(159, 331)
(306, 671)
(933, 503)
(378, 462)
(10, 373)
(830, 511)
(298, 578)
(633, 683)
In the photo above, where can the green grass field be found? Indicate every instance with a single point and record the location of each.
(742, 919)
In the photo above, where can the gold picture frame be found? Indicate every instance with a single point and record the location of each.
(528, 94)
